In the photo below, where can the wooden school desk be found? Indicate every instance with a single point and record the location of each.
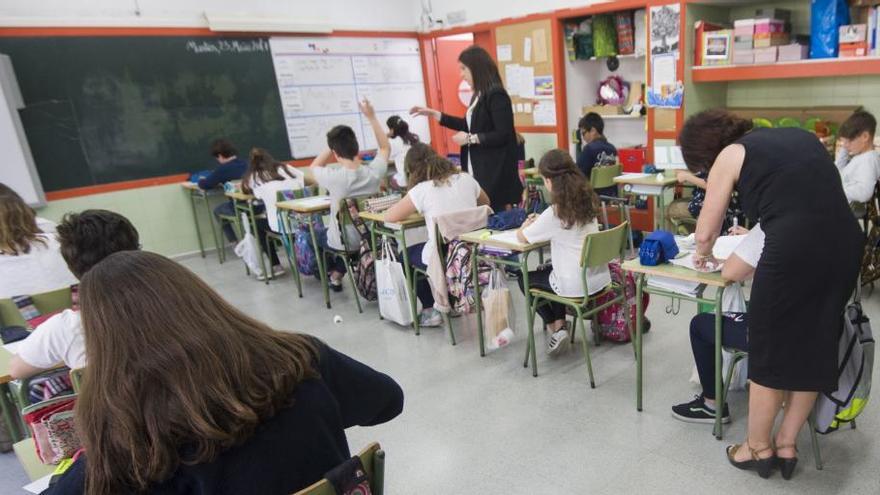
(397, 230)
(306, 207)
(639, 184)
(197, 193)
(482, 237)
(705, 280)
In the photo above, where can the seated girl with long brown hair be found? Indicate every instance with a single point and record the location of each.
(565, 224)
(185, 394)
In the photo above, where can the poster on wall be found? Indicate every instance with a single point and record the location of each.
(666, 90)
(665, 28)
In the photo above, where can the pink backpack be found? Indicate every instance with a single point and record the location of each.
(611, 320)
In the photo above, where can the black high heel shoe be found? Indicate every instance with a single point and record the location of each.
(764, 467)
(787, 464)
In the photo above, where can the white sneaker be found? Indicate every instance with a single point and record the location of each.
(557, 342)
(430, 318)
(277, 271)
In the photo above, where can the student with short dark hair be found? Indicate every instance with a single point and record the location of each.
(85, 239)
(350, 178)
(858, 163)
(230, 167)
(186, 394)
(596, 150)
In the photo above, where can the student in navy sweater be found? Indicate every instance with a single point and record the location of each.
(596, 151)
(184, 394)
(230, 167)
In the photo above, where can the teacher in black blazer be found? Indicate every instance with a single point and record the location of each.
(486, 133)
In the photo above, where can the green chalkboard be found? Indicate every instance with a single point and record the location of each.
(108, 109)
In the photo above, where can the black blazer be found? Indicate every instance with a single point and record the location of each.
(494, 159)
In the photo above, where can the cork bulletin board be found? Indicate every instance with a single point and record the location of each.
(525, 60)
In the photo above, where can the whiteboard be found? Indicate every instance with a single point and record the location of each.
(320, 81)
(18, 170)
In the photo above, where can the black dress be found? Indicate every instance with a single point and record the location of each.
(810, 262)
(494, 159)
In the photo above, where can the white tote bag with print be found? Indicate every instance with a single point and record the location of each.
(248, 250)
(394, 301)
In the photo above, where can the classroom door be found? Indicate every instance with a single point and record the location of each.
(452, 88)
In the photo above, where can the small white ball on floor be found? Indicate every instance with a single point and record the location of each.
(337, 320)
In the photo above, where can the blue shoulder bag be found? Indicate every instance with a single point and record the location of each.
(657, 248)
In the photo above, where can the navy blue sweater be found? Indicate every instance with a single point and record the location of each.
(597, 153)
(232, 170)
(293, 449)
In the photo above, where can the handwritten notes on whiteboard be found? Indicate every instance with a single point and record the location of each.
(321, 80)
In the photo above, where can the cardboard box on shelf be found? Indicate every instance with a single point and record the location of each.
(850, 50)
(602, 109)
(769, 26)
(853, 33)
(766, 55)
(788, 53)
(764, 40)
(744, 27)
(743, 57)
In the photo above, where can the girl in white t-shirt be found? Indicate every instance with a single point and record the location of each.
(438, 188)
(566, 223)
(264, 177)
(30, 260)
(401, 140)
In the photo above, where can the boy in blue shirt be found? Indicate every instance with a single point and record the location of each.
(596, 150)
(230, 167)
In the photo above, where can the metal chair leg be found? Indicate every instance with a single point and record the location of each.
(814, 439)
(585, 344)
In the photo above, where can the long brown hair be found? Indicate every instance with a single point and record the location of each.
(263, 167)
(483, 69)
(423, 163)
(705, 134)
(18, 224)
(175, 374)
(574, 201)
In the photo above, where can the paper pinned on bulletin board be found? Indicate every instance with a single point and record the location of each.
(504, 53)
(527, 107)
(527, 49)
(544, 86)
(666, 91)
(520, 80)
(544, 112)
(518, 108)
(539, 43)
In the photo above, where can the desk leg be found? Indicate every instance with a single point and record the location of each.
(192, 202)
(290, 251)
(524, 268)
(221, 255)
(322, 267)
(408, 272)
(478, 302)
(640, 280)
(719, 384)
(10, 413)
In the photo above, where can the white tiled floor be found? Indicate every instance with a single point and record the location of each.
(486, 426)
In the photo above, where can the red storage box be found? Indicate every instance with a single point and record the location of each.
(632, 159)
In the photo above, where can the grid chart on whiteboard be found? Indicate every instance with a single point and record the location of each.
(320, 82)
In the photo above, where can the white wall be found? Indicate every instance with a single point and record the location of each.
(338, 14)
(492, 10)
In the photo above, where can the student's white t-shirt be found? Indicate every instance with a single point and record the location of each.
(750, 248)
(399, 149)
(341, 183)
(459, 193)
(58, 340)
(859, 175)
(565, 250)
(267, 192)
(41, 270)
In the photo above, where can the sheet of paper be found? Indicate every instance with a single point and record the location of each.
(520, 80)
(661, 156)
(687, 261)
(675, 155)
(663, 71)
(518, 108)
(674, 285)
(635, 175)
(314, 201)
(527, 49)
(539, 43)
(527, 107)
(508, 236)
(38, 486)
(504, 53)
(544, 113)
(726, 245)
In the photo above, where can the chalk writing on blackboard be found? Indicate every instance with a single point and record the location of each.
(227, 46)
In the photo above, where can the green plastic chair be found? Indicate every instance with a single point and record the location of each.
(285, 238)
(373, 460)
(418, 272)
(602, 177)
(46, 302)
(76, 377)
(599, 249)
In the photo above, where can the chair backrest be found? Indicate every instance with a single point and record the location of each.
(45, 302)
(602, 247)
(373, 459)
(603, 176)
(76, 377)
(344, 216)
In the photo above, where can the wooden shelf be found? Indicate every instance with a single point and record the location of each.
(829, 67)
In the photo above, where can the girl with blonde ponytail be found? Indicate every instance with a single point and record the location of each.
(565, 224)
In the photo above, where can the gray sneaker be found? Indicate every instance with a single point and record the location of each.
(430, 318)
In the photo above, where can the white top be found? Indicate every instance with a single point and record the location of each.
(459, 193)
(751, 247)
(267, 192)
(341, 183)
(399, 149)
(565, 250)
(469, 116)
(47, 226)
(58, 340)
(41, 270)
(859, 174)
